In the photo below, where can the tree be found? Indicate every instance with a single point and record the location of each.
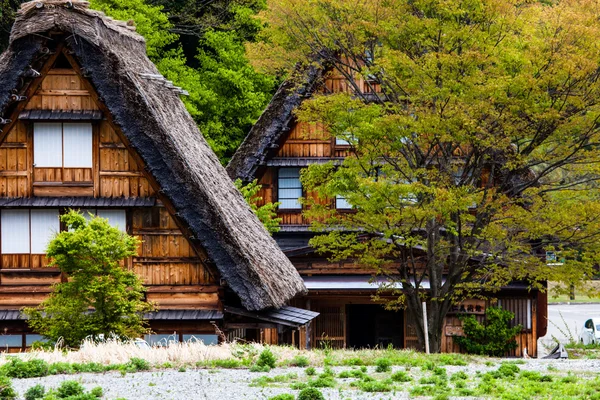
(480, 154)
(266, 213)
(101, 296)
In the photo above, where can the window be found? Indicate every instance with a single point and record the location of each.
(116, 218)
(342, 203)
(201, 337)
(289, 188)
(28, 231)
(342, 141)
(62, 145)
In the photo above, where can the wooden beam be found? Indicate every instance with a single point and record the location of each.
(183, 289)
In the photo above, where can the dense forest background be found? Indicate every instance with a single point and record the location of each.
(200, 46)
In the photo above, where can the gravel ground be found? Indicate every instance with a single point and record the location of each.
(232, 384)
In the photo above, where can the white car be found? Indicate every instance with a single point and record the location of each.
(590, 334)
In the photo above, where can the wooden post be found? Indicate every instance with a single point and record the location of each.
(307, 335)
(425, 328)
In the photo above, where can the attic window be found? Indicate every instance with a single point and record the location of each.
(28, 231)
(62, 145)
(289, 189)
(116, 218)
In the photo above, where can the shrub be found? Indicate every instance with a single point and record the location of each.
(355, 361)
(383, 365)
(322, 382)
(69, 388)
(60, 368)
(508, 369)
(35, 392)
(400, 376)
(17, 368)
(256, 368)
(97, 392)
(460, 375)
(137, 364)
(89, 367)
(310, 394)
(283, 396)
(310, 371)
(266, 359)
(494, 338)
(299, 361)
(227, 363)
(6, 390)
(375, 386)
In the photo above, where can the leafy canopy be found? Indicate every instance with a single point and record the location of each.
(480, 153)
(101, 295)
(267, 212)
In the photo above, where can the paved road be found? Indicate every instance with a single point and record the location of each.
(566, 320)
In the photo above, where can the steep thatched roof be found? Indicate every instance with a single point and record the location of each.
(274, 122)
(156, 124)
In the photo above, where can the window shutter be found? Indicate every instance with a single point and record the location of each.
(289, 188)
(47, 145)
(77, 145)
(44, 225)
(15, 231)
(116, 218)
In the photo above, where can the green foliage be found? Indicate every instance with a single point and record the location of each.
(266, 359)
(137, 364)
(17, 368)
(508, 369)
(374, 386)
(267, 213)
(383, 365)
(494, 337)
(35, 392)
(69, 388)
(310, 371)
(323, 381)
(90, 253)
(474, 148)
(6, 390)
(400, 376)
(283, 396)
(227, 363)
(310, 394)
(299, 361)
(97, 392)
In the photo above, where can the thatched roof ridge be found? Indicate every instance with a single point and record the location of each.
(156, 124)
(274, 122)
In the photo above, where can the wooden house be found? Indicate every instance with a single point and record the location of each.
(87, 122)
(274, 152)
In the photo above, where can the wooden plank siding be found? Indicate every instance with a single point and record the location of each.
(175, 274)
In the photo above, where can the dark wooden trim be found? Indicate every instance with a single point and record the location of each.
(13, 145)
(182, 289)
(64, 184)
(174, 260)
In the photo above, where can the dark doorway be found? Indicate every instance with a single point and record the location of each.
(370, 325)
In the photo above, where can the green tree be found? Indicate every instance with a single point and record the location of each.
(480, 154)
(267, 213)
(101, 296)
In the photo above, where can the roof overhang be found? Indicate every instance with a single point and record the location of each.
(86, 202)
(184, 315)
(286, 315)
(60, 115)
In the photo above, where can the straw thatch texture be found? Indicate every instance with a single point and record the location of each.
(273, 123)
(157, 125)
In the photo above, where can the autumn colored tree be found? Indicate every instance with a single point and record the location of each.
(479, 154)
(101, 295)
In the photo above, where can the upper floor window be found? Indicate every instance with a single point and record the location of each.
(289, 188)
(116, 218)
(342, 203)
(62, 145)
(28, 231)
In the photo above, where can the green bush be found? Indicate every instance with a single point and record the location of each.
(508, 370)
(227, 363)
(299, 361)
(494, 338)
(322, 382)
(266, 359)
(375, 386)
(383, 365)
(69, 388)
(310, 393)
(400, 376)
(6, 390)
(97, 392)
(263, 368)
(90, 367)
(60, 368)
(137, 364)
(310, 371)
(35, 392)
(17, 368)
(283, 396)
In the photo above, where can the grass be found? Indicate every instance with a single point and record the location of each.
(580, 296)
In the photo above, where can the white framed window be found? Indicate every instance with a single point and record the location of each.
(341, 203)
(28, 231)
(116, 218)
(289, 189)
(62, 145)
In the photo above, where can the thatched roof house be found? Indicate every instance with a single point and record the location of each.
(149, 112)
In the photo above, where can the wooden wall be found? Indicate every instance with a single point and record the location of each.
(176, 276)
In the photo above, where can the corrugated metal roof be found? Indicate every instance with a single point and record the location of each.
(301, 161)
(55, 115)
(77, 202)
(184, 315)
(286, 315)
(11, 315)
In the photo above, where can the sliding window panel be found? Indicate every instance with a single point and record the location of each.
(45, 224)
(47, 145)
(77, 145)
(15, 231)
(116, 218)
